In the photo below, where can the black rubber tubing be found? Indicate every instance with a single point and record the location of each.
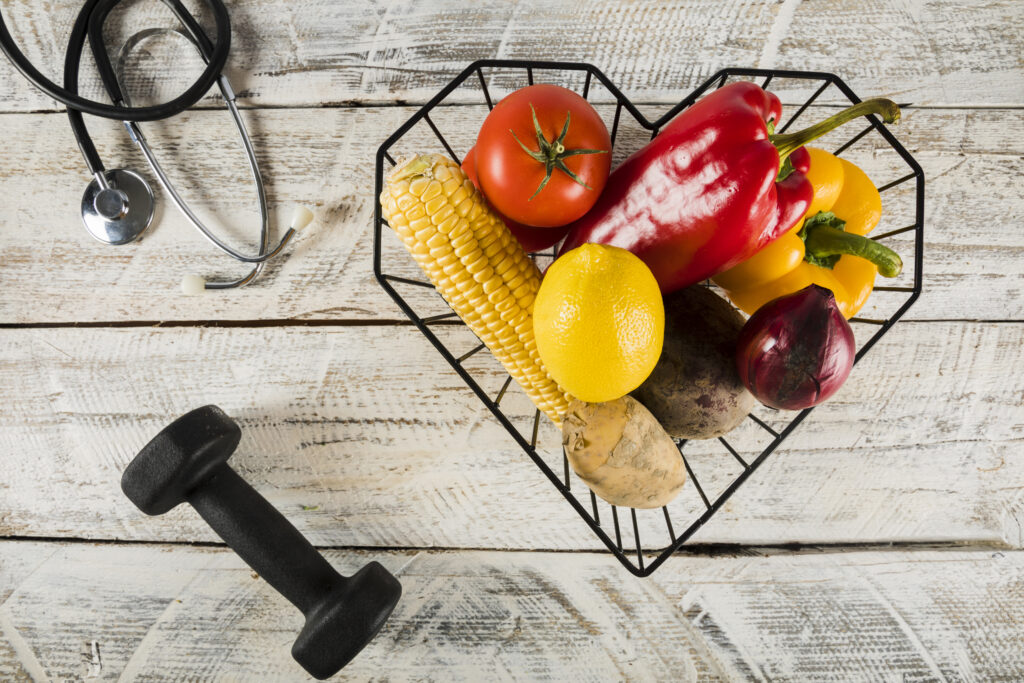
(90, 23)
(73, 101)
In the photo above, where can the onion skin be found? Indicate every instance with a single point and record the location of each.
(796, 351)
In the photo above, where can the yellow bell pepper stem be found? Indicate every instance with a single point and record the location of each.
(786, 143)
(822, 241)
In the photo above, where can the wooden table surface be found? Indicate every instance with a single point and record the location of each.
(882, 542)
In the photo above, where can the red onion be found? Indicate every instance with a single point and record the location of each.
(797, 350)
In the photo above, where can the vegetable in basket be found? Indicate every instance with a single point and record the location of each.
(543, 155)
(706, 193)
(476, 265)
(694, 390)
(797, 350)
(829, 249)
(622, 453)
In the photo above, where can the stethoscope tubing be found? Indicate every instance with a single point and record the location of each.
(135, 133)
(71, 99)
(89, 24)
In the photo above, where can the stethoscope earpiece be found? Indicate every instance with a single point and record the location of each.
(117, 207)
(301, 217)
(192, 285)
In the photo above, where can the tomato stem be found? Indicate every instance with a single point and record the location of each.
(553, 153)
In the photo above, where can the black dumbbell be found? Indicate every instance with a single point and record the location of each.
(187, 462)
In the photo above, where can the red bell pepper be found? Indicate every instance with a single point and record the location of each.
(705, 194)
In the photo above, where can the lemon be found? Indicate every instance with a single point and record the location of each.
(599, 322)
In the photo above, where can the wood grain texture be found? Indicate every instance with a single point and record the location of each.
(361, 434)
(318, 52)
(971, 159)
(364, 436)
(199, 613)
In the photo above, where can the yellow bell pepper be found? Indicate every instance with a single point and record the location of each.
(829, 248)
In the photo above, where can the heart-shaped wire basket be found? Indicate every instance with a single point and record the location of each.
(643, 539)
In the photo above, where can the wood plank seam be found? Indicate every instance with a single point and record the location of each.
(335, 256)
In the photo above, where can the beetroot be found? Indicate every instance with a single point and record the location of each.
(797, 350)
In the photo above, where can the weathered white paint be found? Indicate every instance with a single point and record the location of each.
(318, 52)
(154, 611)
(367, 437)
(52, 271)
(780, 31)
(362, 436)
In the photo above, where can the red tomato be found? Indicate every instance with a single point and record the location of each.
(532, 239)
(527, 159)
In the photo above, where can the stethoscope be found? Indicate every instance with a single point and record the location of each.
(118, 204)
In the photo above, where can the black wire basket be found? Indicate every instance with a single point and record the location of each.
(643, 539)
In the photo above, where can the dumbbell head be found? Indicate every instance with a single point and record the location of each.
(179, 458)
(347, 619)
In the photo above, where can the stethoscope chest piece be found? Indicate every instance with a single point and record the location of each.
(120, 212)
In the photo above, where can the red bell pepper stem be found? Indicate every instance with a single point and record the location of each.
(787, 143)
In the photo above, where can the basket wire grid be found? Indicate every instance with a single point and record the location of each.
(664, 535)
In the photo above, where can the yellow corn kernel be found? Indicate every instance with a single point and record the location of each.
(475, 263)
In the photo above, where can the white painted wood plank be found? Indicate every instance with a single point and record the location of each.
(929, 615)
(364, 436)
(318, 52)
(163, 612)
(52, 271)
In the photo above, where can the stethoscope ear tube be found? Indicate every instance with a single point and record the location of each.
(217, 59)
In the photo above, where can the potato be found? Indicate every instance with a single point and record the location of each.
(622, 453)
(694, 390)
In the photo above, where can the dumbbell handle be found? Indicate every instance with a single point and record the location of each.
(264, 539)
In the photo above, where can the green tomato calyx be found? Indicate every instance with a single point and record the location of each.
(552, 153)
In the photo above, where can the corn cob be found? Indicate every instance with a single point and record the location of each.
(475, 263)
